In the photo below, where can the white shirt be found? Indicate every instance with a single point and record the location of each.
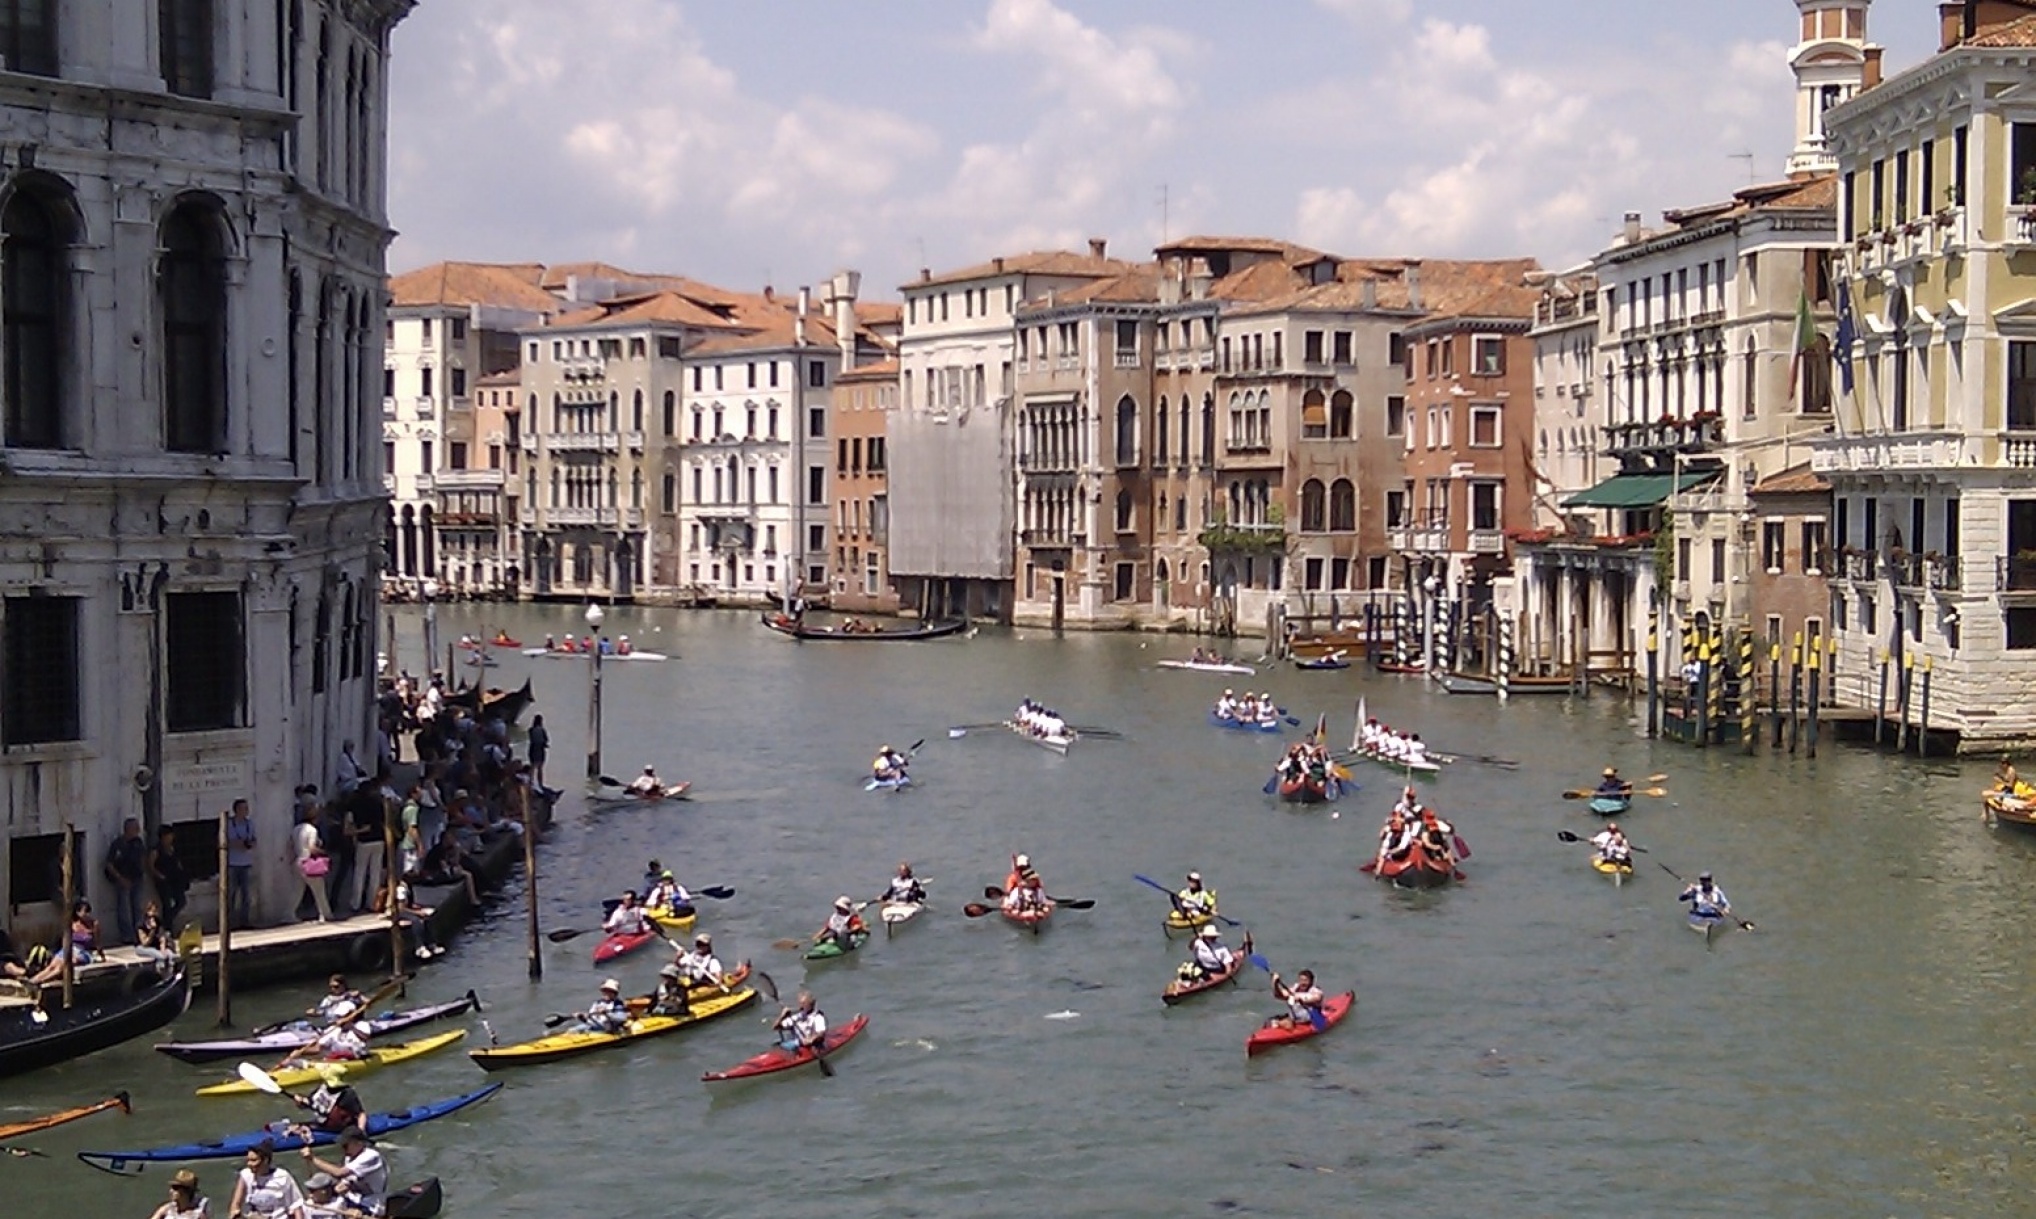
(700, 966)
(806, 1026)
(624, 920)
(273, 1194)
(839, 923)
(645, 784)
(304, 837)
(1708, 902)
(1212, 956)
(904, 889)
(1605, 841)
(340, 1041)
(367, 1180)
(1301, 1004)
(337, 1007)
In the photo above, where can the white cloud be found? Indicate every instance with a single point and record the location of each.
(1370, 12)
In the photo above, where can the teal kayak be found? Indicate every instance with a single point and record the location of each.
(1610, 806)
(829, 949)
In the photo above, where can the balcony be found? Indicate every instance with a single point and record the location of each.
(633, 441)
(470, 480)
(424, 408)
(583, 368)
(1899, 450)
(1946, 574)
(1487, 541)
(1664, 438)
(2015, 573)
(1859, 565)
(388, 408)
(425, 483)
(461, 403)
(583, 442)
(1125, 359)
(2021, 226)
(580, 516)
(2018, 450)
(1906, 570)
(1397, 537)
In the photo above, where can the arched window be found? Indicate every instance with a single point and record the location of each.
(1127, 431)
(671, 409)
(1124, 511)
(1208, 429)
(1342, 506)
(32, 240)
(636, 412)
(1342, 416)
(1159, 436)
(1312, 513)
(1160, 571)
(1314, 416)
(191, 295)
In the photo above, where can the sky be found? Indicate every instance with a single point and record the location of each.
(754, 142)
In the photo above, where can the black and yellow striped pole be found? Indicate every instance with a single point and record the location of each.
(1774, 701)
(1880, 714)
(1923, 722)
(1816, 658)
(1796, 692)
(1653, 672)
(1702, 694)
(1908, 687)
(1715, 667)
(1748, 704)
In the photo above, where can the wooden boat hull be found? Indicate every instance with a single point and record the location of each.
(504, 705)
(1417, 870)
(1998, 808)
(26, 1044)
(1305, 790)
(785, 625)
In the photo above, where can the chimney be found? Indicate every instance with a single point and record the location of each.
(1951, 24)
(1414, 283)
(841, 293)
(770, 293)
(1631, 235)
(1368, 293)
(925, 275)
(1199, 279)
(998, 264)
(1096, 247)
(799, 319)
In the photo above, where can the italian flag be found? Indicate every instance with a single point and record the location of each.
(1805, 341)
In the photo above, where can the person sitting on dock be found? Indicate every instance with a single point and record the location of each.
(842, 925)
(82, 949)
(647, 785)
(339, 1002)
(889, 765)
(1612, 845)
(1194, 901)
(1706, 899)
(1303, 1000)
(626, 918)
(698, 966)
(609, 1014)
(905, 888)
(670, 998)
(1394, 838)
(802, 1027)
(1612, 786)
(1212, 957)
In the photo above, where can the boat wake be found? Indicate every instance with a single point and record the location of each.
(1063, 1015)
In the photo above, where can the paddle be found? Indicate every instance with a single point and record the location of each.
(1585, 793)
(1071, 903)
(1567, 836)
(962, 730)
(262, 1081)
(1744, 924)
(977, 909)
(1271, 784)
(1316, 1019)
(1175, 898)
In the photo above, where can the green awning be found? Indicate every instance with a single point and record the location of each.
(1638, 490)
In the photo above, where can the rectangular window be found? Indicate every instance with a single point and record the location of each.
(1396, 415)
(1773, 545)
(2022, 628)
(40, 678)
(1484, 427)
(816, 484)
(1311, 347)
(1448, 356)
(1484, 507)
(668, 493)
(1396, 509)
(1901, 208)
(752, 375)
(1959, 140)
(2021, 386)
(184, 46)
(456, 455)
(424, 465)
(1926, 179)
(1311, 575)
(388, 383)
(1717, 560)
(1815, 542)
(1877, 199)
(1127, 340)
(1396, 353)
(35, 867)
(1341, 348)
(424, 382)
(28, 36)
(206, 689)
(1434, 359)
(458, 388)
(816, 376)
(1339, 573)
(1490, 356)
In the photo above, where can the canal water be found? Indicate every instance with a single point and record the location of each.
(1533, 1042)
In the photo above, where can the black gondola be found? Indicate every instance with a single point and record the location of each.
(505, 705)
(31, 1038)
(784, 624)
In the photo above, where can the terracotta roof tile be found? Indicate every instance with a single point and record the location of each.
(767, 334)
(1038, 262)
(504, 285)
(1288, 252)
(2021, 32)
(1796, 480)
(883, 370)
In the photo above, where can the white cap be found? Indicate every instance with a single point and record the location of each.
(844, 902)
(1023, 861)
(1195, 876)
(1209, 931)
(611, 984)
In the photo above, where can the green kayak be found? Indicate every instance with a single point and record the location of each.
(829, 949)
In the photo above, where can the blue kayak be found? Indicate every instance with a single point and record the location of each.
(1241, 726)
(233, 1146)
(1610, 806)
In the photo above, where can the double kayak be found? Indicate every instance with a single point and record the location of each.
(279, 1039)
(623, 799)
(622, 943)
(347, 1069)
(776, 1059)
(1032, 920)
(573, 1044)
(37, 1125)
(283, 1137)
(827, 950)
(1268, 1036)
(1178, 989)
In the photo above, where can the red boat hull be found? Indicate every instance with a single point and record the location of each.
(772, 1061)
(1031, 920)
(1418, 870)
(1334, 1009)
(622, 945)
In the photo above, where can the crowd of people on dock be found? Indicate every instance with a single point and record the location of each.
(1258, 710)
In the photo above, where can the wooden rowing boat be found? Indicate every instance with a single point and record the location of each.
(784, 624)
(37, 1125)
(1417, 871)
(1058, 744)
(1178, 990)
(1306, 789)
(1999, 808)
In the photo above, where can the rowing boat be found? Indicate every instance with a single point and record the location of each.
(777, 1058)
(1223, 721)
(784, 624)
(626, 798)
(1617, 871)
(606, 657)
(311, 1072)
(573, 1044)
(622, 943)
(1417, 870)
(1426, 766)
(1268, 1036)
(1207, 666)
(1333, 660)
(829, 949)
(895, 914)
(1305, 789)
(1178, 990)
(283, 1137)
(1057, 743)
(1032, 919)
(2000, 808)
(37, 1125)
(281, 1039)
(699, 992)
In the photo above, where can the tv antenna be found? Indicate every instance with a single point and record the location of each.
(1748, 158)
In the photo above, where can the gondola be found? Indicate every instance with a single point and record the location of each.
(785, 624)
(494, 704)
(59, 1036)
(1304, 789)
(1417, 871)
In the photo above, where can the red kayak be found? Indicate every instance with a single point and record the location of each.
(1031, 920)
(503, 641)
(622, 945)
(778, 1059)
(1334, 1009)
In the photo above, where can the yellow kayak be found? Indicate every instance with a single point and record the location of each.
(568, 1045)
(675, 922)
(313, 1072)
(1617, 871)
(1177, 921)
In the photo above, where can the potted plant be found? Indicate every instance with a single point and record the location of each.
(1948, 214)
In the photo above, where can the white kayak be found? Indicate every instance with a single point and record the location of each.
(1205, 666)
(895, 913)
(605, 656)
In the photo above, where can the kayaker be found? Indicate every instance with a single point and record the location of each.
(905, 888)
(889, 765)
(609, 1014)
(1028, 898)
(1303, 1000)
(699, 966)
(668, 896)
(647, 785)
(670, 997)
(1409, 804)
(264, 1188)
(362, 1177)
(1021, 870)
(322, 1200)
(1226, 706)
(626, 918)
(1395, 838)
(1212, 957)
(652, 873)
(842, 925)
(339, 1002)
(2009, 782)
(1612, 786)
(1706, 899)
(185, 1200)
(342, 1042)
(335, 1105)
(1612, 845)
(1194, 901)
(801, 1027)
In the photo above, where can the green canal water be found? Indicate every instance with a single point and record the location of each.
(1533, 1042)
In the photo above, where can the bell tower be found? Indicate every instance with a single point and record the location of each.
(1832, 61)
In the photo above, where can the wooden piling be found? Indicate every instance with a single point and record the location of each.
(70, 887)
(1923, 724)
(1774, 688)
(1796, 692)
(1653, 673)
(225, 991)
(530, 875)
(1749, 734)
(1816, 675)
(1880, 714)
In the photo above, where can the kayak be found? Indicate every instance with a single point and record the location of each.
(36, 1125)
(282, 1038)
(1610, 806)
(348, 1069)
(1617, 871)
(778, 1058)
(1330, 662)
(624, 798)
(572, 1044)
(1303, 789)
(1177, 922)
(1207, 666)
(1178, 990)
(1334, 1009)
(1243, 725)
(234, 1146)
(902, 781)
(623, 943)
(1031, 920)
(421, 1201)
(676, 918)
(895, 914)
(828, 950)
(700, 992)
(1705, 924)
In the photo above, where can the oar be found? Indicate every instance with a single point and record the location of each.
(962, 730)
(262, 1081)
(1071, 903)
(1567, 836)
(1175, 898)
(1585, 793)
(1743, 923)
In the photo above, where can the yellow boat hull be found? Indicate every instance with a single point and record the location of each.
(312, 1073)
